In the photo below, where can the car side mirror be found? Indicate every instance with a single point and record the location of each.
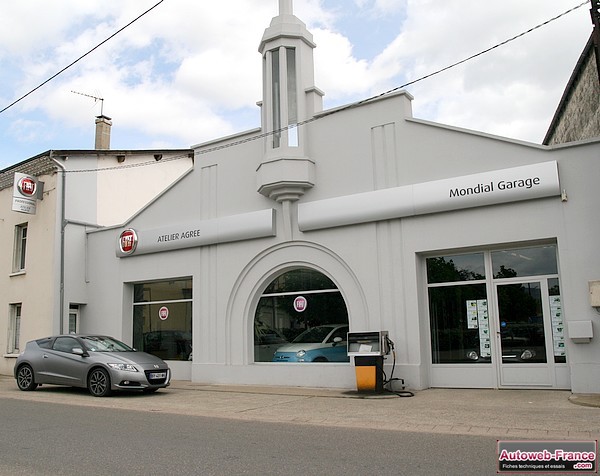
(80, 351)
(337, 340)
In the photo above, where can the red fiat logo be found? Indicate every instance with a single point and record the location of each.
(128, 241)
(27, 186)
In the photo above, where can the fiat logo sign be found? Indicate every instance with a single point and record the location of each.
(300, 304)
(163, 313)
(27, 186)
(128, 241)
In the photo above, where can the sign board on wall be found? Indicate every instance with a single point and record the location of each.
(25, 193)
(468, 191)
(245, 226)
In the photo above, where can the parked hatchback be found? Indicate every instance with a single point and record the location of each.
(101, 364)
(326, 343)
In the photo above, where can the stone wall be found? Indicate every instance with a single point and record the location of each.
(579, 118)
(41, 165)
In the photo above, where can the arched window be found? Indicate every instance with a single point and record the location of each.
(301, 317)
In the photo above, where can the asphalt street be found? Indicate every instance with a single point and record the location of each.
(42, 439)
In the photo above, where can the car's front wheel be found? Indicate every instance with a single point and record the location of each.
(25, 380)
(99, 383)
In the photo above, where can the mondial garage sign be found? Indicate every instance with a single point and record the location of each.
(477, 190)
(25, 193)
(245, 226)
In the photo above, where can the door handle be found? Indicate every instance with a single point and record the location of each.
(45, 356)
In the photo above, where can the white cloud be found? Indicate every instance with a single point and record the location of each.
(190, 71)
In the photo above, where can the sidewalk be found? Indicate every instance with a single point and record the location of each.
(510, 414)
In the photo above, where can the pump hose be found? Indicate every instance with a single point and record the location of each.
(400, 393)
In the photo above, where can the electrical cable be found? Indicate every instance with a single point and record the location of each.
(81, 57)
(348, 106)
(307, 121)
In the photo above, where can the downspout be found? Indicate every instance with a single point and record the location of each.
(63, 224)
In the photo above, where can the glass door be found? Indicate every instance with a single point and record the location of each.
(523, 330)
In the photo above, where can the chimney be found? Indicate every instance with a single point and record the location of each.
(103, 125)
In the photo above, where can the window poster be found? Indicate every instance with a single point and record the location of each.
(484, 328)
(477, 318)
(558, 327)
(472, 322)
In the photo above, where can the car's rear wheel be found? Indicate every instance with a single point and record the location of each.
(99, 383)
(25, 380)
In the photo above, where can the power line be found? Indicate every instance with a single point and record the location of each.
(372, 98)
(81, 57)
(349, 106)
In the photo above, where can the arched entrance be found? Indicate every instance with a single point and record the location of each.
(262, 271)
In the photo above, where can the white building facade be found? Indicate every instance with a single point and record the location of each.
(476, 253)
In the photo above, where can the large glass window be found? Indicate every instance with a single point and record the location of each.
(458, 305)
(445, 269)
(459, 324)
(301, 317)
(520, 262)
(162, 318)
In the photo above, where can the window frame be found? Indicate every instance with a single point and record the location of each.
(20, 248)
(14, 328)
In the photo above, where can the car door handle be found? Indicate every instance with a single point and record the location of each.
(45, 356)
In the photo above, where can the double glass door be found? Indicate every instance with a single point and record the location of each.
(496, 319)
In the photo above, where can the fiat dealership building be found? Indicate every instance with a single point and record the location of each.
(477, 254)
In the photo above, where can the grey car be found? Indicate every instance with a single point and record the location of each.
(99, 363)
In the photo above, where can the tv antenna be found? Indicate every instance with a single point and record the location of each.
(95, 98)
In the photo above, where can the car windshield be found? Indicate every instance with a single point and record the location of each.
(104, 344)
(316, 334)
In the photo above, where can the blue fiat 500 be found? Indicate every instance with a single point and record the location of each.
(318, 344)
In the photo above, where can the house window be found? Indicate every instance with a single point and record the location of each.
(285, 101)
(14, 329)
(276, 98)
(20, 247)
(73, 318)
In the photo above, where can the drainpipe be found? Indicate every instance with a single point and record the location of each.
(63, 225)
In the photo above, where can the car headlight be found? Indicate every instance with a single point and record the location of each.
(124, 367)
(300, 353)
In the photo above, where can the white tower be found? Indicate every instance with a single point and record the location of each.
(289, 98)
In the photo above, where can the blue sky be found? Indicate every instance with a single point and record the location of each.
(190, 71)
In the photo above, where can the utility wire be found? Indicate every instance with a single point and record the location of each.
(333, 111)
(81, 57)
(372, 98)
(363, 101)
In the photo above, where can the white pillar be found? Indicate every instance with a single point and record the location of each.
(285, 7)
